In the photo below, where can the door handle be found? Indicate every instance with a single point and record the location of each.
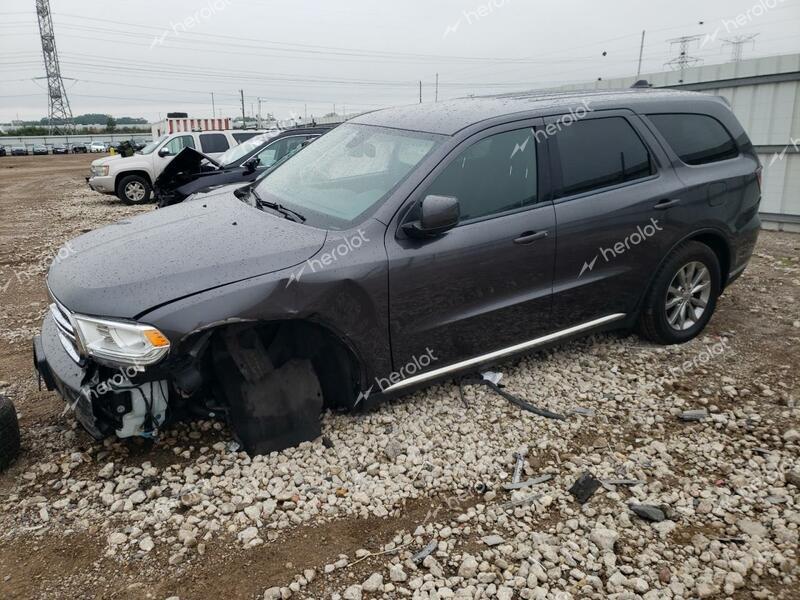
(665, 204)
(529, 237)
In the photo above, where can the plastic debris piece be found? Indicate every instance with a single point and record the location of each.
(694, 415)
(648, 512)
(585, 486)
(427, 550)
(492, 376)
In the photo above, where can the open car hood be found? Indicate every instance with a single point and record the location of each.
(181, 168)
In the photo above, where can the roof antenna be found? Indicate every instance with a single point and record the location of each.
(641, 83)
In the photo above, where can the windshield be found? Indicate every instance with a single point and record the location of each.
(346, 172)
(152, 145)
(232, 155)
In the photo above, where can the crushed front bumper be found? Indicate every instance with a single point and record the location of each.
(60, 373)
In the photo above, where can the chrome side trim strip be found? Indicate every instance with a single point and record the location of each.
(491, 356)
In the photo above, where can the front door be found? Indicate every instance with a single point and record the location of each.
(486, 284)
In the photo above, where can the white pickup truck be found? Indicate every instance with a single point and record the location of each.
(131, 178)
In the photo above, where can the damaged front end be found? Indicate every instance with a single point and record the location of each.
(259, 379)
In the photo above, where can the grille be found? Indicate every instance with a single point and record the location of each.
(66, 332)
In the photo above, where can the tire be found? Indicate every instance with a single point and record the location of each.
(134, 189)
(672, 314)
(9, 433)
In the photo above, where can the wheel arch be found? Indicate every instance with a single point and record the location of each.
(714, 239)
(336, 360)
(140, 172)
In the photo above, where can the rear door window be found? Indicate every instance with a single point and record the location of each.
(597, 153)
(696, 139)
(212, 143)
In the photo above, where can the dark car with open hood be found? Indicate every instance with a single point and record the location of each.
(191, 171)
(404, 247)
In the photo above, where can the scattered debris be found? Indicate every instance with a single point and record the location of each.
(492, 376)
(586, 412)
(527, 483)
(520, 502)
(584, 487)
(648, 512)
(694, 415)
(426, 551)
(518, 467)
(524, 405)
(493, 540)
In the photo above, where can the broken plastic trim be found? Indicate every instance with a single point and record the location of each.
(523, 404)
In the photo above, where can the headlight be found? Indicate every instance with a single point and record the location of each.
(121, 343)
(100, 170)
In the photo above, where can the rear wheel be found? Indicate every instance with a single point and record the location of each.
(683, 295)
(9, 433)
(134, 189)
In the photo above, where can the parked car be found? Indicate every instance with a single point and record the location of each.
(2, 150)
(97, 147)
(40, 149)
(192, 171)
(405, 247)
(80, 148)
(60, 149)
(19, 151)
(131, 178)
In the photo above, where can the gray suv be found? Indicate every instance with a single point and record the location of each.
(404, 247)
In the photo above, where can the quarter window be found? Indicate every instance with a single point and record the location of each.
(597, 153)
(696, 139)
(213, 143)
(495, 175)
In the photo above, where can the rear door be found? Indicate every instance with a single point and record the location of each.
(613, 187)
(486, 284)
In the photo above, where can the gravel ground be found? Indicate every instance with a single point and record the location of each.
(699, 508)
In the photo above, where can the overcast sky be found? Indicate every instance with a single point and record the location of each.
(147, 57)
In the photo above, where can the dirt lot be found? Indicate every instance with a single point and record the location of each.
(188, 516)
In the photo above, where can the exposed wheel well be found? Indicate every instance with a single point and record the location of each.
(276, 343)
(720, 247)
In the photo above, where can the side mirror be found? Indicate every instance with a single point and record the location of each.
(164, 152)
(437, 215)
(251, 164)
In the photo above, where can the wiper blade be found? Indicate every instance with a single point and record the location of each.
(288, 213)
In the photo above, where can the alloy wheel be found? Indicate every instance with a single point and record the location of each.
(687, 296)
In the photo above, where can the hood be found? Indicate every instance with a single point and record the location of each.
(106, 159)
(125, 269)
(185, 164)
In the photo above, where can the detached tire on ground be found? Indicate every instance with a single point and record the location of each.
(134, 189)
(683, 295)
(9, 433)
